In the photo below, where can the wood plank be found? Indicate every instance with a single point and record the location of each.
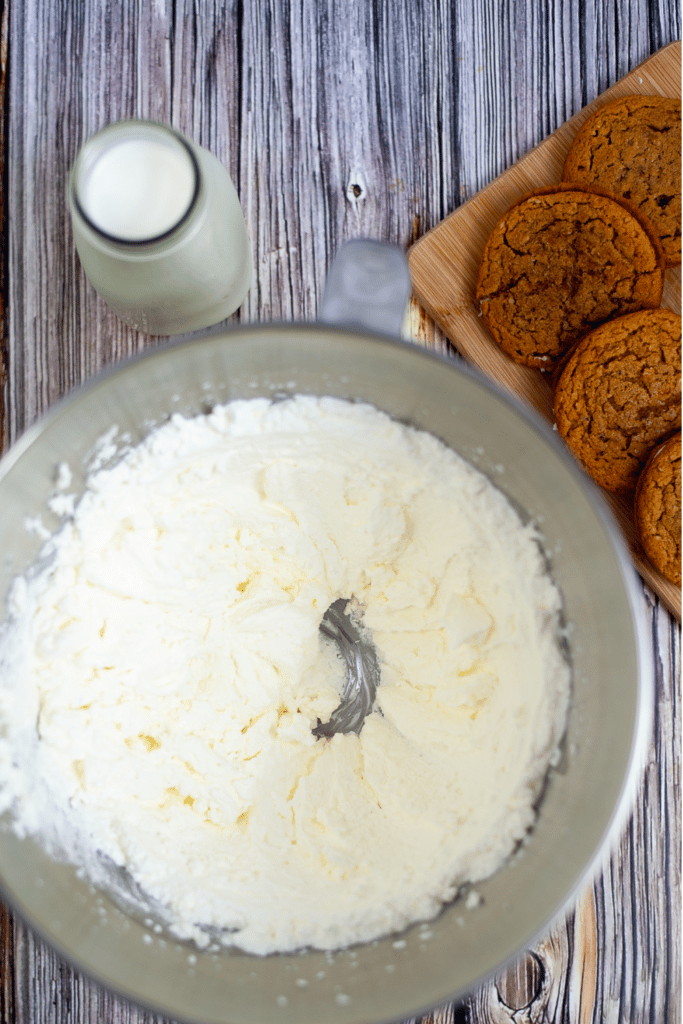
(7, 965)
(444, 265)
(4, 40)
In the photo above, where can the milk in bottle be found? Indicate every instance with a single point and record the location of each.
(158, 228)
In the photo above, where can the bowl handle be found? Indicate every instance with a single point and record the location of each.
(368, 287)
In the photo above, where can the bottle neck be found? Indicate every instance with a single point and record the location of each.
(136, 184)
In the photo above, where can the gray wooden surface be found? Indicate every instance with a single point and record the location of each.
(336, 118)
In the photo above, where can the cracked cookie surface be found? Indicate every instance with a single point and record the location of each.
(561, 261)
(619, 395)
(632, 147)
(658, 509)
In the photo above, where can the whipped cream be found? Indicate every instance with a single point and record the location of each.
(162, 673)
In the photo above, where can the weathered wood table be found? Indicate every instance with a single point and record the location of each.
(336, 118)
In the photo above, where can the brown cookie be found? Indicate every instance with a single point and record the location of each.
(632, 148)
(658, 508)
(619, 395)
(560, 261)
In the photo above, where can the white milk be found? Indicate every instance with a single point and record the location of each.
(139, 189)
(167, 256)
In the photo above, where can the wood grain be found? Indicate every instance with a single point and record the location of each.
(4, 39)
(444, 265)
(336, 118)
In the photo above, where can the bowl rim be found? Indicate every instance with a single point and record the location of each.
(644, 673)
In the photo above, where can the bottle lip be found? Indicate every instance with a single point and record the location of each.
(96, 145)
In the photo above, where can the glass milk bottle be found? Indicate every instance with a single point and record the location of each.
(158, 228)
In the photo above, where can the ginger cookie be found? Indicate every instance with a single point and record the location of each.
(561, 261)
(632, 148)
(658, 509)
(619, 395)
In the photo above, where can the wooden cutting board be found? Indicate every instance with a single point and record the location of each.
(444, 265)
